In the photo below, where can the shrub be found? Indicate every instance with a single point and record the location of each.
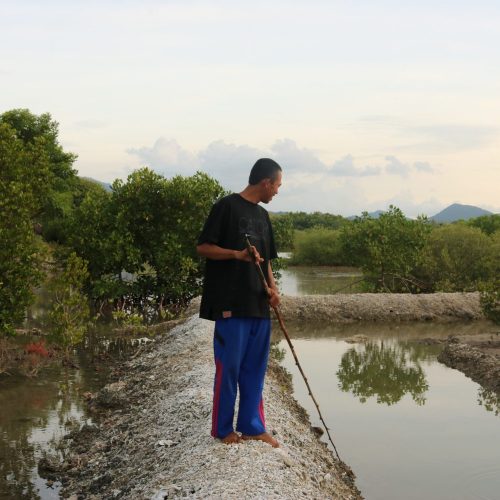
(317, 246)
(488, 224)
(283, 232)
(387, 249)
(69, 312)
(457, 258)
(490, 300)
(23, 170)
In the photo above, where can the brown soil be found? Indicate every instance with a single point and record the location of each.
(477, 356)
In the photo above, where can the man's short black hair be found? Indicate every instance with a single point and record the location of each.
(265, 168)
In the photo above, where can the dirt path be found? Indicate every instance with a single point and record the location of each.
(153, 440)
(383, 307)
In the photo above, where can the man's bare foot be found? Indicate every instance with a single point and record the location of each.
(266, 437)
(232, 438)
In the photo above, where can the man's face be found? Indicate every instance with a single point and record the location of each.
(270, 188)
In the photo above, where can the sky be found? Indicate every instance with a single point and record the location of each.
(363, 103)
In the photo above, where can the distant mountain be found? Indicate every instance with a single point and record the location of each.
(105, 185)
(457, 212)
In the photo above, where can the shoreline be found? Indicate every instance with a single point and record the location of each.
(390, 307)
(153, 437)
(477, 359)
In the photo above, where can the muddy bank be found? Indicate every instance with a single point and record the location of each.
(383, 307)
(153, 441)
(478, 358)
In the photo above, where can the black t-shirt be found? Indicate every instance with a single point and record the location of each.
(232, 288)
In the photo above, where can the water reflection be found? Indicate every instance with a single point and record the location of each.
(379, 330)
(489, 400)
(36, 413)
(316, 280)
(37, 417)
(394, 409)
(385, 370)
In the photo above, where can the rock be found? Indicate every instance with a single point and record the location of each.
(166, 442)
(318, 431)
(160, 495)
(49, 466)
(112, 396)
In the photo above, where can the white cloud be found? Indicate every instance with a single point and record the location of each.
(309, 183)
(296, 159)
(167, 157)
(345, 168)
(397, 167)
(228, 163)
(423, 166)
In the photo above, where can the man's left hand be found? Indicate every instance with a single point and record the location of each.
(274, 298)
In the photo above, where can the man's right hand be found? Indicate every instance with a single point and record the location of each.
(245, 256)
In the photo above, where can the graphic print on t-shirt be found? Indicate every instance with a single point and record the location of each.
(255, 228)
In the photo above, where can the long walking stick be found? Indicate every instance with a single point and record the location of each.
(283, 328)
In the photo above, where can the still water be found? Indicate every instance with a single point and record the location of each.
(36, 412)
(420, 431)
(410, 427)
(319, 280)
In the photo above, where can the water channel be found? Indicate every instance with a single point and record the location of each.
(410, 427)
(419, 431)
(36, 412)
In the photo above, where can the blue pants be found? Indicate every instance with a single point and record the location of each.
(241, 351)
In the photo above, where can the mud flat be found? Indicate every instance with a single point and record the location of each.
(152, 439)
(383, 307)
(477, 357)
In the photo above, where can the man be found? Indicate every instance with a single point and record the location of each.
(235, 299)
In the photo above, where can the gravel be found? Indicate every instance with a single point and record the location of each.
(345, 308)
(154, 442)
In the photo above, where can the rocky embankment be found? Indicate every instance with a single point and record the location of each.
(153, 441)
(383, 307)
(479, 359)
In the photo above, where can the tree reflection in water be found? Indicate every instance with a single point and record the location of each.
(489, 399)
(383, 369)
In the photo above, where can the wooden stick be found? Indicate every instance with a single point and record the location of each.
(279, 316)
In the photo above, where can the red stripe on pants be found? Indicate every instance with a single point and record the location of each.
(215, 409)
(261, 412)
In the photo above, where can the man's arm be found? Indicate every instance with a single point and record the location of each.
(215, 252)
